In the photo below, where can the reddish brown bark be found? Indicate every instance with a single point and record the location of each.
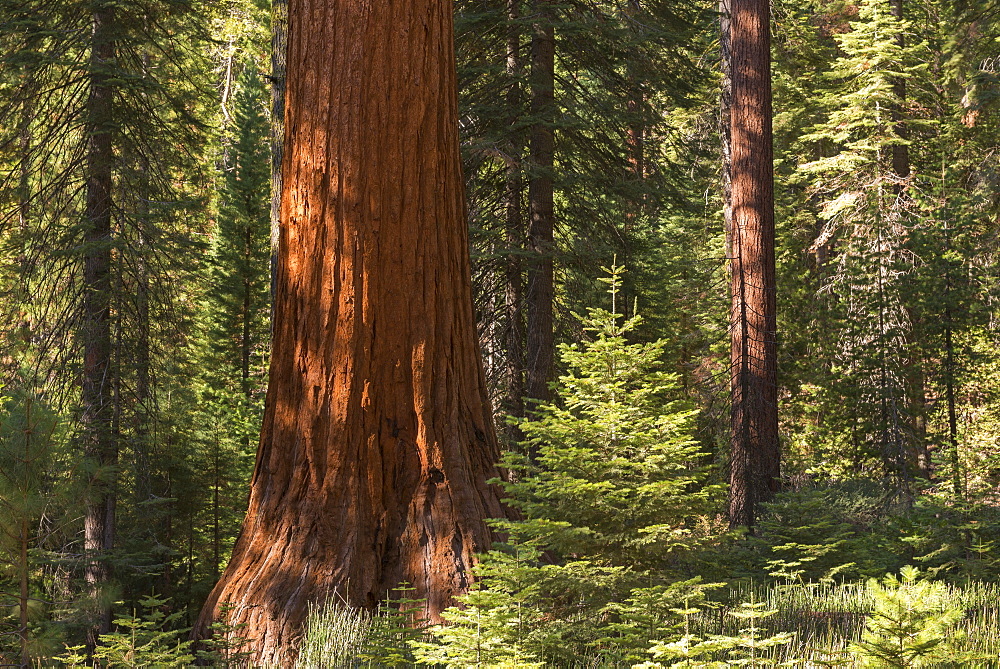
(755, 458)
(377, 439)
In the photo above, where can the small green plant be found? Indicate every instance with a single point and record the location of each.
(497, 619)
(152, 640)
(225, 648)
(748, 649)
(338, 635)
(398, 622)
(909, 624)
(75, 657)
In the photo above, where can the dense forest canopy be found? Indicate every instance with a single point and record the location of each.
(530, 332)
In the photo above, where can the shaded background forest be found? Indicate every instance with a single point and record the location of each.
(887, 272)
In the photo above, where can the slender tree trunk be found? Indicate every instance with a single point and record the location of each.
(24, 256)
(279, 64)
(97, 391)
(377, 439)
(918, 414)
(246, 345)
(216, 534)
(725, 121)
(190, 558)
(958, 480)
(23, 540)
(24, 593)
(143, 389)
(143, 386)
(901, 168)
(541, 288)
(755, 456)
(24, 203)
(514, 283)
(955, 455)
(635, 149)
(900, 152)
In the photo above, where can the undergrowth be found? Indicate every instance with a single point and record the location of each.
(797, 625)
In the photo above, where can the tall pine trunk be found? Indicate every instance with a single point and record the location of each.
(635, 152)
(920, 455)
(97, 393)
(725, 122)
(514, 195)
(377, 440)
(541, 289)
(755, 458)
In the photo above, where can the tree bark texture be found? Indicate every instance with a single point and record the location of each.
(377, 441)
(541, 279)
(97, 392)
(755, 458)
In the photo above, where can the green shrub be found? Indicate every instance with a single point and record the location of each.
(151, 640)
(909, 624)
(614, 496)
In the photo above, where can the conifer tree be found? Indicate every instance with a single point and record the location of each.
(28, 449)
(755, 456)
(618, 76)
(236, 310)
(114, 155)
(239, 288)
(867, 212)
(612, 496)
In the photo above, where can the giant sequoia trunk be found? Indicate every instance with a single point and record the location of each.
(377, 441)
(755, 456)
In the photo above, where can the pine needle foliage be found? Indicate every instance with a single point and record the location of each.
(153, 639)
(866, 210)
(612, 497)
(908, 625)
(238, 296)
(616, 476)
